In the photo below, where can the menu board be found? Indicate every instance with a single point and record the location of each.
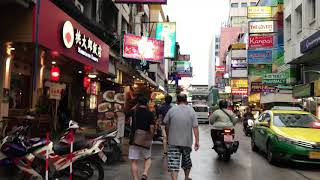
(111, 111)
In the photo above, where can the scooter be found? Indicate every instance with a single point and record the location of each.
(224, 143)
(247, 129)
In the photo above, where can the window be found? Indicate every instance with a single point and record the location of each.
(298, 21)
(253, 3)
(234, 5)
(288, 28)
(244, 4)
(312, 11)
(200, 109)
(295, 120)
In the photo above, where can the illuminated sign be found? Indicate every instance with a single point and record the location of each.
(259, 12)
(238, 46)
(261, 27)
(239, 83)
(143, 48)
(220, 68)
(239, 91)
(167, 33)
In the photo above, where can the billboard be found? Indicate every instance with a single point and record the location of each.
(238, 54)
(259, 12)
(142, 1)
(239, 91)
(167, 33)
(258, 87)
(260, 56)
(183, 69)
(274, 79)
(259, 69)
(143, 48)
(239, 64)
(239, 73)
(239, 83)
(261, 27)
(220, 68)
(239, 46)
(260, 41)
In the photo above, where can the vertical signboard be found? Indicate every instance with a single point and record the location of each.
(259, 12)
(261, 42)
(260, 56)
(261, 27)
(167, 32)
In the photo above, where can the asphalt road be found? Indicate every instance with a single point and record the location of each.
(244, 165)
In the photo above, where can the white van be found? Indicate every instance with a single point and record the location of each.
(202, 112)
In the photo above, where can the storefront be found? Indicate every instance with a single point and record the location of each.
(68, 74)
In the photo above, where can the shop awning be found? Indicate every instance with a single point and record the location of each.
(277, 98)
(147, 78)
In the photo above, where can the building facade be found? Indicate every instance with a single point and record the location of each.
(238, 12)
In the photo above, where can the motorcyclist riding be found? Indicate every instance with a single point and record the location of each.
(247, 115)
(222, 119)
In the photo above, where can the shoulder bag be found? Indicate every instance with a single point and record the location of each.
(142, 138)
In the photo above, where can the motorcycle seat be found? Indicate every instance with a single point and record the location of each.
(64, 148)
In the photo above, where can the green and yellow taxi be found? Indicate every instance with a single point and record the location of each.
(287, 134)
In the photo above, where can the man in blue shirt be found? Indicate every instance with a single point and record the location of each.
(162, 113)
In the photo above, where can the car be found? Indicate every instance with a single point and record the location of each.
(287, 135)
(202, 112)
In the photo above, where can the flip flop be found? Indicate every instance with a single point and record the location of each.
(144, 177)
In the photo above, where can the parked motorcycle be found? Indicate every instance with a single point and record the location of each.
(224, 143)
(247, 129)
(29, 155)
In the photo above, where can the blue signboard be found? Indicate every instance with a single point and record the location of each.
(260, 56)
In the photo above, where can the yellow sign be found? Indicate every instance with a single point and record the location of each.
(254, 98)
(259, 12)
(317, 88)
(238, 46)
(239, 83)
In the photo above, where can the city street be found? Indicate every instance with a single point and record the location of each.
(244, 165)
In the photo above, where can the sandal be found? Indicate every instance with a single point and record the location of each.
(144, 177)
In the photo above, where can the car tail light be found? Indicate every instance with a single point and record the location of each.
(227, 131)
(316, 124)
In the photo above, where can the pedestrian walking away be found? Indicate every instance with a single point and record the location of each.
(142, 121)
(162, 113)
(181, 121)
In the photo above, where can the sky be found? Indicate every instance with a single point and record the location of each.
(197, 23)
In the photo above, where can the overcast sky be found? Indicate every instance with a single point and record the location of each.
(197, 22)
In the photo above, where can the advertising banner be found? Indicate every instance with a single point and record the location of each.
(254, 98)
(259, 12)
(302, 91)
(239, 54)
(258, 87)
(239, 64)
(143, 48)
(239, 91)
(238, 46)
(142, 1)
(184, 57)
(274, 79)
(239, 73)
(310, 42)
(259, 69)
(259, 56)
(220, 68)
(261, 27)
(260, 41)
(167, 33)
(239, 83)
(183, 69)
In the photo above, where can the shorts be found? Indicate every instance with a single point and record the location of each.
(177, 154)
(136, 153)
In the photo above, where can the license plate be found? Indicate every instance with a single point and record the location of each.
(314, 155)
(228, 138)
(102, 156)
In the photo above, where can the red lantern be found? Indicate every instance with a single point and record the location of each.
(86, 82)
(55, 73)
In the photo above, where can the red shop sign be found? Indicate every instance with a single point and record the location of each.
(260, 41)
(239, 91)
(63, 34)
(220, 68)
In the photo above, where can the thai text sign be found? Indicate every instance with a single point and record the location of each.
(239, 91)
(261, 27)
(143, 48)
(241, 64)
(260, 41)
(239, 83)
(274, 79)
(259, 12)
(167, 33)
(142, 1)
(259, 56)
(220, 68)
(258, 87)
(259, 69)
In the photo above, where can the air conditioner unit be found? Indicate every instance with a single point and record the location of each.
(79, 5)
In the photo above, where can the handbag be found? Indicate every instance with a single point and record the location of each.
(142, 138)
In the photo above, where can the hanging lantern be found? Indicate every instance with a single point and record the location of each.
(86, 82)
(55, 73)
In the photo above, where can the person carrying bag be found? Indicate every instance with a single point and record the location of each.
(142, 130)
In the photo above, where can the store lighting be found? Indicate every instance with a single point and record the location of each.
(92, 76)
(53, 62)
(80, 72)
(133, 76)
(12, 48)
(135, 85)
